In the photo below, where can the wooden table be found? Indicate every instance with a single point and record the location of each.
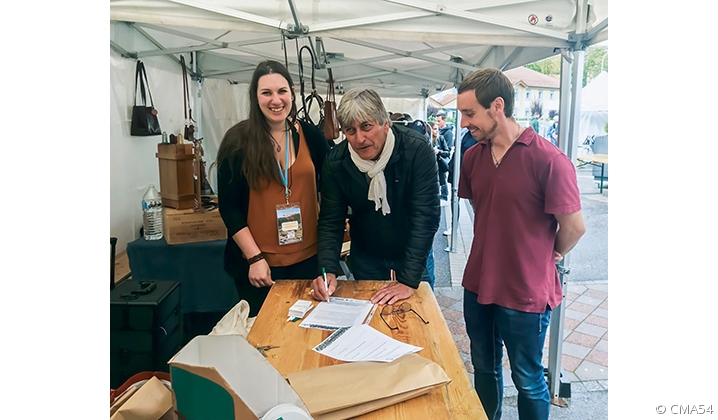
(122, 267)
(457, 400)
(595, 160)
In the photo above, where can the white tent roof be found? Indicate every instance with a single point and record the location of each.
(401, 48)
(595, 94)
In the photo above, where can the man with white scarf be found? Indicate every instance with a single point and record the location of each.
(386, 174)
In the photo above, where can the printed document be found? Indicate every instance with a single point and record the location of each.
(363, 343)
(337, 313)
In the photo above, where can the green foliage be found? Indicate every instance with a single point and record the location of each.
(550, 66)
(593, 58)
(592, 64)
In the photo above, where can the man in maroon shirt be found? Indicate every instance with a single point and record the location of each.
(527, 217)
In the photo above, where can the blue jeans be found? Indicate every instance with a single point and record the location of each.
(367, 267)
(523, 333)
(428, 275)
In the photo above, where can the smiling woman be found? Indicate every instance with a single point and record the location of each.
(268, 169)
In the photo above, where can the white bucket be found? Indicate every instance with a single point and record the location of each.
(286, 412)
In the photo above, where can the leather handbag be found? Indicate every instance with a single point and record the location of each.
(331, 124)
(144, 118)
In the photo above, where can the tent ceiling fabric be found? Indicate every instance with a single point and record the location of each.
(401, 48)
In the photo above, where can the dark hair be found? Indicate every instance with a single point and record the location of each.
(489, 84)
(252, 137)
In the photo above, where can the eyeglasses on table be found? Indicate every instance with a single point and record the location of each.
(401, 309)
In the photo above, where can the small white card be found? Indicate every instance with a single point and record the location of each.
(300, 308)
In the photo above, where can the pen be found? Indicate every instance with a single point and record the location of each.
(324, 276)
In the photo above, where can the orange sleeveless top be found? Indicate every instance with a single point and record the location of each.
(262, 217)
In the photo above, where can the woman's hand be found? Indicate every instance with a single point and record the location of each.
(260, 275)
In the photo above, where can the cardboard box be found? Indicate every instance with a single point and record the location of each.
(225, 377)
(187, 226)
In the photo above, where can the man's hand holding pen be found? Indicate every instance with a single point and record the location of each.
(319, 291)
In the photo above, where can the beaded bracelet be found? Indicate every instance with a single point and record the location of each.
(256, 258)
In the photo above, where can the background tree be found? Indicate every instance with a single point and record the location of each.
(550, 66)
(536, 108)
(594, 58)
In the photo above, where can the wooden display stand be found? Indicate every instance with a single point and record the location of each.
(176, 175)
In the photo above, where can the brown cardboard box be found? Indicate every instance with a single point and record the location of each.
(186, 226)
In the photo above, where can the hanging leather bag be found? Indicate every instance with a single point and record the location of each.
(331, 123)
(144, 118)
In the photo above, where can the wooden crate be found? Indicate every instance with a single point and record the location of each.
(176, 175)
(186, 226)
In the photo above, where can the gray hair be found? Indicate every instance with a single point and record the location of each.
(359, 105)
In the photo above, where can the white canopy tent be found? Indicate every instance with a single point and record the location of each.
(403, 49)
(400, 48)
(594, 107)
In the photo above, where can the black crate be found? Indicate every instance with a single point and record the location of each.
(145, 327)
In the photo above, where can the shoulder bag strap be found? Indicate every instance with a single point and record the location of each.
(144, 81)
(140, 81)
(185, 86)
(330, 91)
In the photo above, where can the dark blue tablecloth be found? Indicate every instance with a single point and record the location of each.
(204, 286)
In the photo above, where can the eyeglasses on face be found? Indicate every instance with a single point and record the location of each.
(401, 309)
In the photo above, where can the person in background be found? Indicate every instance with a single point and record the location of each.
(386, 173)
(447, 131)
(268, 172)
(443, 152)
(553, 131)
(467, 141)
(535, 122)
(527, 217)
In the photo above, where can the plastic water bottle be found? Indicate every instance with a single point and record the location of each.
(152, 214)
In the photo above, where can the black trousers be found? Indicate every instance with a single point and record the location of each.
(255, 296)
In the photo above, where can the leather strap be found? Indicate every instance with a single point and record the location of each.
(185, 86)
(140, 82)
(256, 258)
(330, 91)
(314, 96)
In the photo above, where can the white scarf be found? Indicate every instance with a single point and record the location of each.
(375, 170)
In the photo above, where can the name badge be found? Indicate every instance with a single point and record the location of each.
(289, 224)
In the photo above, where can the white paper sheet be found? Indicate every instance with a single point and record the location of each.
(363, 343)
(337, 313)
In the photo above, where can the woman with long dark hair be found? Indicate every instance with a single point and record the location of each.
(268, 181)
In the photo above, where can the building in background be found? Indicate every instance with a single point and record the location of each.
(531, 86)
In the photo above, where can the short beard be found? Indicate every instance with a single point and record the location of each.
(491, 133)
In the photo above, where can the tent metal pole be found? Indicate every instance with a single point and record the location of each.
(571, 141)
(569, 120)
(555, 347)
(453, 193)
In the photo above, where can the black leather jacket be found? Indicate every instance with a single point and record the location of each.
(407, 233)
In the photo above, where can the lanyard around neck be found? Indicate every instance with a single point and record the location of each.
(285, 173)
